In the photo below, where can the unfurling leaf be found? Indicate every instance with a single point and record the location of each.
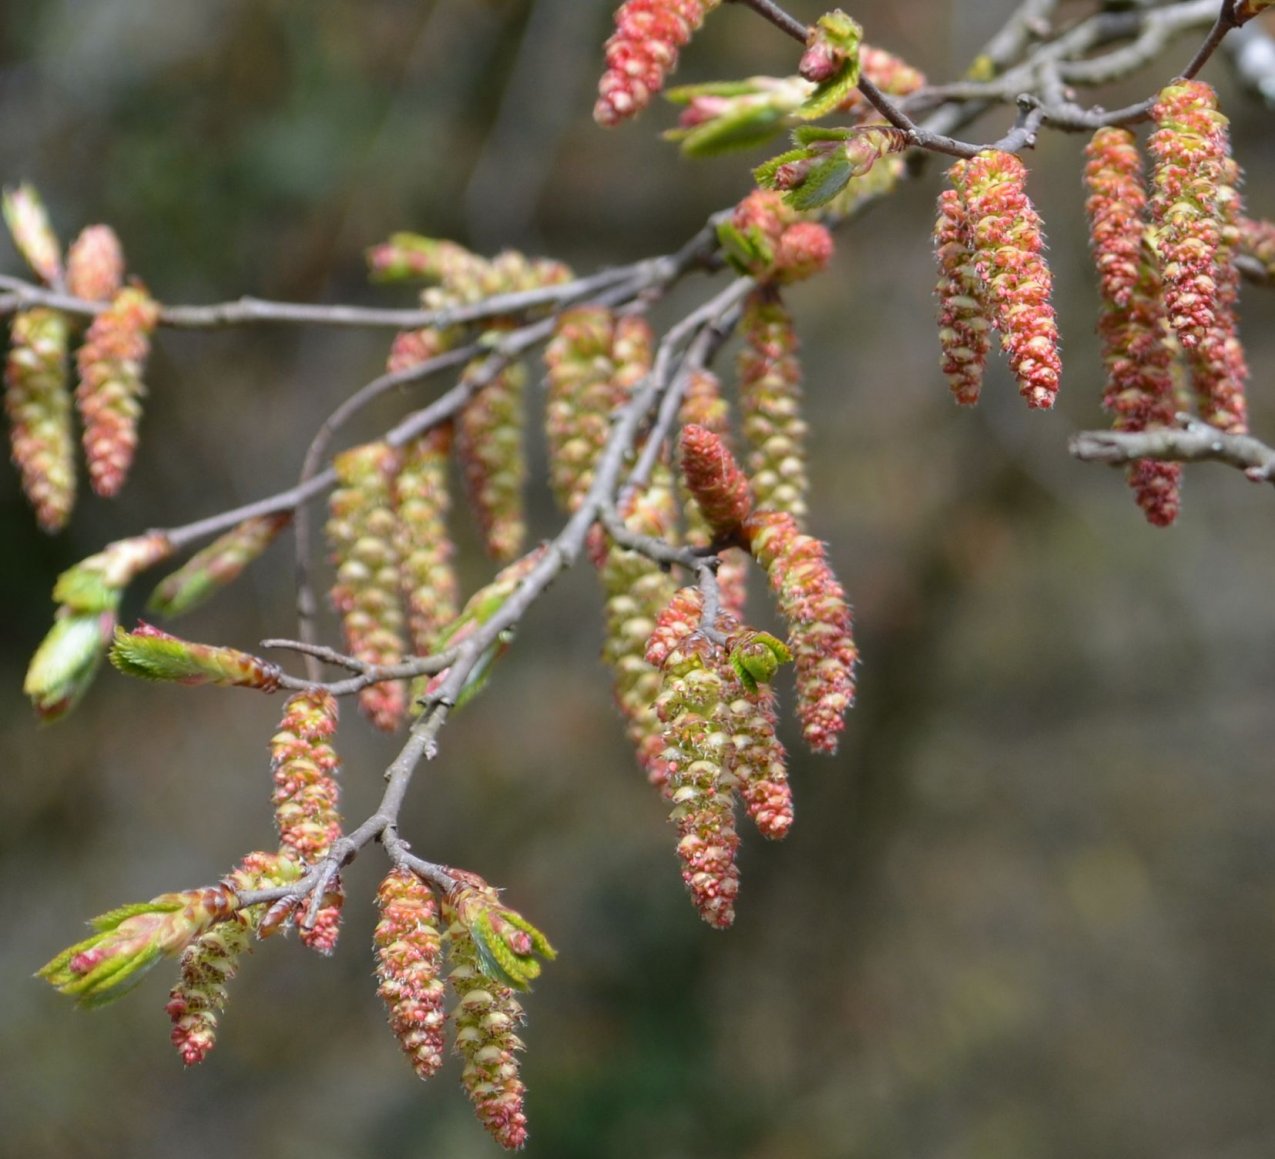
(150, 654)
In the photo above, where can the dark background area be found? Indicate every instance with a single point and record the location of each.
(1029, 910)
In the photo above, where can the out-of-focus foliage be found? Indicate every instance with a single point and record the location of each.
(1029, 909)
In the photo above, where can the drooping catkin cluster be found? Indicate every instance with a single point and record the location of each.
(37, 395)
(211, 962)
(408, 947)
(1195, 213)
(642, 52)
(306, 797)
(489, 430)
(491, 951)
(992, 272)
(1132, 324)
(719, 729)
(362, 532)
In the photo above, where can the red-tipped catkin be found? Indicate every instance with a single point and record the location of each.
(1196, 213)
(1140, 387)
(1003, 232)
(362, 531)
(642, 52)
(95, 264)
(111, 362)
(715, 481)
(770, 406)
(964, 325)
(408, 948)
(486, 1017)
(703, 405)
(306, 796)
(819, 623)
(37, 402)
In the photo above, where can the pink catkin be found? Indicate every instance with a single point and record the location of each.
(715, 481)
(362, 530)
(306, 797)
(408, 948)
(111, 362)
(1132, 324)
(819, 624)
(1196, 213)
(1003, 232)
(964, 325)
(642, 52)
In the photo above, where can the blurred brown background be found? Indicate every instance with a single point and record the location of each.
(1028, 911)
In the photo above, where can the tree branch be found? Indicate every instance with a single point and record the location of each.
(1192, 442)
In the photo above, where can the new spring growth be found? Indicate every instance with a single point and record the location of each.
(128, 941)
(1245, 10)
(422, 501)
(1002, 232)
(722, 116)
(830, 62)
(643, 51)
(151, 654)
(28, 223)
(88, 594)
(825, 161)
(408, 947)
(216, 566)
(509, 947)
(1140, 389)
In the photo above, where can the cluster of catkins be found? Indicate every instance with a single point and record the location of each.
(395, 588)
(1165, 257)
(691, 681)
(111, 357)
(491, 954)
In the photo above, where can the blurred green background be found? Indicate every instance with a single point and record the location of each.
(1029, 910)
